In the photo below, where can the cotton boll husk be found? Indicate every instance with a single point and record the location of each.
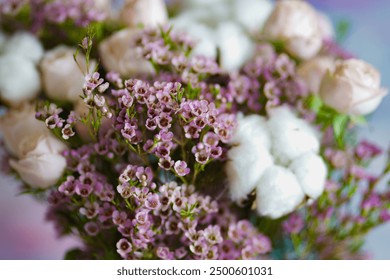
(291, 136)
(236, 48)
(19, 79)
(252, 14)
(311, 172)
(244, 168)
(26, 45)
(278, 193)
(253, 130)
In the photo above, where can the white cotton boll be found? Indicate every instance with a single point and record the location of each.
(246, 164)
(26, 45)
(311, 171)
(252, 14)
(19, 79)
(291, 136)
(236, 47)
(253, 130)
(278, 193)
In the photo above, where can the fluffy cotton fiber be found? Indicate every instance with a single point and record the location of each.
(279, 158)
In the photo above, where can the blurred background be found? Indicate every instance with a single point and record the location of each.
(369, 39)
(24, 233)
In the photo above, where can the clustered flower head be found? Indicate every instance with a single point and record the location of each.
(151, 220)
(267, 81)
(80, 12)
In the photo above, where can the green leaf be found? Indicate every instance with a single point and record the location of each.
(314, 103)
(359, 120)
(340, 123)
(342, 29)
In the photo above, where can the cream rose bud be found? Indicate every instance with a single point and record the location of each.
(19, 79)
(118, 56)
(19, 129)
(313, 70)
(61, 76)
(42, 166)
(26, 45)
(353, 87)
(149, 13)
(295, 23)
(235, 46)
(326, 27)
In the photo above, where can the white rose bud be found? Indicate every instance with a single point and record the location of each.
(278, 193)
(61, 76)
(19, 79)
(295, 23)
(313, 70)
(26, 45)
(20, 128)
(352, 88)
(118, 56)
(42, 166)
(149, 13)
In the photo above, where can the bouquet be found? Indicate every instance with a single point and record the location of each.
(146, 146)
